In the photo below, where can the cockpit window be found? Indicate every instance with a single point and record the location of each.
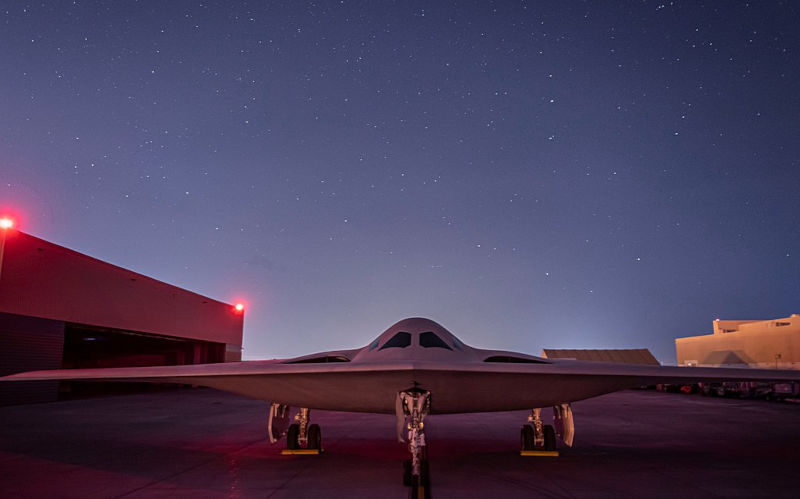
(374, 344)
(400, 340)
(429, 339)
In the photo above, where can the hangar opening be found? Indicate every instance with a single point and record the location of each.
(87, 347)
(91, 347)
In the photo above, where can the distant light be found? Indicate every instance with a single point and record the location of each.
(239, 307)
(6, 223)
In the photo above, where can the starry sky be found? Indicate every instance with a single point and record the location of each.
(528, 174)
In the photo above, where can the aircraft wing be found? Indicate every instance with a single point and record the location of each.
(456, 387)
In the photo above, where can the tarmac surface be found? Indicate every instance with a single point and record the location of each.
(205, 443)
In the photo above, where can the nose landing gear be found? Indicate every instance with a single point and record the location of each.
(412, 406)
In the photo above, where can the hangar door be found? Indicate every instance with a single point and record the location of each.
(92, 347)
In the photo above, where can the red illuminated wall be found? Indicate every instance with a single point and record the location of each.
(42, 279)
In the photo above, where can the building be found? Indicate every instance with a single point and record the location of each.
(63, 309)
(771, 343)
(625, 356)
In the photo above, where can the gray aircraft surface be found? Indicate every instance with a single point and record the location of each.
(415, 368)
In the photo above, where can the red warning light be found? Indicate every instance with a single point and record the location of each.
(239, 307)
(6, 223)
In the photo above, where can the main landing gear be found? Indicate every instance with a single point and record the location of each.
(412, 406)
(301, 437)
(537, 438)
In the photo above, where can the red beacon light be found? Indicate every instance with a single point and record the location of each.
(239, 307)
(6, 223)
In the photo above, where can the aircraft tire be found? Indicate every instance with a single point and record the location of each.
(314, 437)
(409, 480)
(549, 437)
(407, 477)
(416, 488)
(526, 437)
(291, 436)
(420, 485)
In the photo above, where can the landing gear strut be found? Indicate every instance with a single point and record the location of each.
(412, 407)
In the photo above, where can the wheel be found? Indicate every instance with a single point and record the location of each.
(417, 489)
(526, 437)
(314, 437)
(291, 436)
(549, 437)
(407, 479)
(420, 488)
(425, 475)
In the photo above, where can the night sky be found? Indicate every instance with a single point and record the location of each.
(528, 174)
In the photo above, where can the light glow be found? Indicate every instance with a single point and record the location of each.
(239, 307)
(6, 223)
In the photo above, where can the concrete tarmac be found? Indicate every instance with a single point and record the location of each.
(205, 443)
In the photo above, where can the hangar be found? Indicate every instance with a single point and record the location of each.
(64, 309)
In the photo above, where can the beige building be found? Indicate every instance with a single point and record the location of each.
(771, 343)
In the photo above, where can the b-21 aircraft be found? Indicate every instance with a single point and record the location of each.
(415, 368)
